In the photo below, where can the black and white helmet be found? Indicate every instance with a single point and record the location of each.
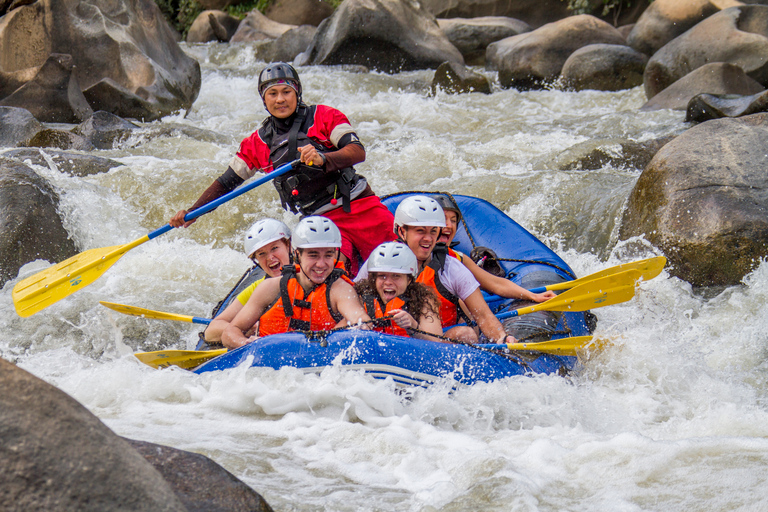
(277, 73)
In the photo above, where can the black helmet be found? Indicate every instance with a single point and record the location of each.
(279, 71)
(447, 203)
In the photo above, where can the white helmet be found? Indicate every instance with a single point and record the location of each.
(393, 257)
(316, 231)
(263, 232)
(419, 211)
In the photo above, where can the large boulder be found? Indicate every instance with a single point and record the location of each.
(299, 12)
(257, 27)
(29, 221)
(126, 59)
(105, 130)
(714, 78)
(16, 126)
(387, 35)
(75, 164)
(535, 59)
(738, 35)
(703, 200)
(704, 107)
(289, 45)
(534, 12)
(604, 67)
(455, 78)
(664, 20)
(53, 95)
(212, 26)
(472, 36)
(56, 455)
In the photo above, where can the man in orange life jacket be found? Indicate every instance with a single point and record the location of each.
(314, 295)
(418, 220)
(324, 183)
(488, 282)
(391, 290)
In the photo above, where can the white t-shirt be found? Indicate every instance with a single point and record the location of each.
(456, 278)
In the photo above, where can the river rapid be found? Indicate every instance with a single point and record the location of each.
(673, 416)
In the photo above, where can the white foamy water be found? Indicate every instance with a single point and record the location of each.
(671, 417)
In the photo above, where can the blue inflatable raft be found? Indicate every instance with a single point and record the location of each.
(524, 259)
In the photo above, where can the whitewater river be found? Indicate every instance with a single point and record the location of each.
(672, 417)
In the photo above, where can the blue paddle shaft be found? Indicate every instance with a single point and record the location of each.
(226, 197)
(198, 320)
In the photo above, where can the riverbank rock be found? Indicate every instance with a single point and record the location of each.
(61, 139)
(200, 483)
(105, 130)
(288, 46)
(703, 200)
(299, 12)
(29, 221)
(126, 59)
(386, 35)
(603, 67)
(212, 26)
(53, 95)
(75, 164)
(257, 27)
(704, 107)
(535, 59)
(472, 36)
(714, 78)
(534, 12)
(737, 35)
(664, 20)
(16, 126)
(455, 79)
(597, 154)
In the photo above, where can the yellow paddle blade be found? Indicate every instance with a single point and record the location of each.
(146, 313)
(39, 291)
(564, 347)
(182, 358)
(648, 268)
(604, 291)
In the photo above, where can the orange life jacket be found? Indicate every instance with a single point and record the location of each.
(450, 311)
(295, 311)
(373, 306)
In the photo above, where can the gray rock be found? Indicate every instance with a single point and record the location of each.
(715, 78)
(535, 59)
(703, 200)
(105, 130)
(16, 126)
(257, 27)
(212, 26)
(126, 44)
(617, 153)
(534, 12)
(704, 107)
(75, 164)
(29, 221)
(472, 36)
(386, 35)
(737, 35)
(604, 67)
(299, 12)
(200, 483)
(664, 20)
(53, 95)
(455, 79)
(62, 139)
(286, 47)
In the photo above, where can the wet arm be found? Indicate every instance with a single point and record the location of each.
(503, 287)
(488, 323)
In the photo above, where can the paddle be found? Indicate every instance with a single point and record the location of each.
(39, 291)
(182, 358)
(648, 268)
(148, 313)
(563, 346)
(604, 291)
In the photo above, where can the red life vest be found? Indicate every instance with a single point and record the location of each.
(295, 311)
(373, 306)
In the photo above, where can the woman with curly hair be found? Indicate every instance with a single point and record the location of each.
(390, 293)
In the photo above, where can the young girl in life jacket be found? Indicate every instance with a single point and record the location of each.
(314, 295)
(391, 289)
(268, 244)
